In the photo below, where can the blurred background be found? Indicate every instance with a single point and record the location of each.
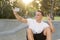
(11, 29)
(28, 8)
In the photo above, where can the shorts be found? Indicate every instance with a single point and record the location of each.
(39, 36)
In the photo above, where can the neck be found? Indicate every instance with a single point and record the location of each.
(38, 21)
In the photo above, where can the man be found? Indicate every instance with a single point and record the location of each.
(37, 29)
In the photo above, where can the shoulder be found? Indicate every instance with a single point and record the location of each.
(30, 20)
(45, 24)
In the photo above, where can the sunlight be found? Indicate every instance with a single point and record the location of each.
(27, 1)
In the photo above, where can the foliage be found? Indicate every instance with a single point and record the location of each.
(6, 8)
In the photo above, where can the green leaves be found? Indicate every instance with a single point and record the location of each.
(6, 8)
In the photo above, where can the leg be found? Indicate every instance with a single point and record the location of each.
(29, 34)
(48, 34)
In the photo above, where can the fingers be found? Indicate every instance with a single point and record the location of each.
(15, 9)
(49, 19)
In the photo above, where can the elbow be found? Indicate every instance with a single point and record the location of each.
(18, 19)
(52, 29)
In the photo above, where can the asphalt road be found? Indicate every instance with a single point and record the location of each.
(14, 30)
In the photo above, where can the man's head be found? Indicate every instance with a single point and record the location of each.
(38, 15)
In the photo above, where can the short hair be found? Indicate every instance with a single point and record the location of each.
(40, 12)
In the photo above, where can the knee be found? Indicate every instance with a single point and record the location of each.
(48, 31)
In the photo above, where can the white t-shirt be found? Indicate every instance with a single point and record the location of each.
(35, 26)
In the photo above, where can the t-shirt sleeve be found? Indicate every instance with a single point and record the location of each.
(46, 25)
(29, 21)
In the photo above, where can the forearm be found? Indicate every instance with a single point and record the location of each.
(51, 27)
(18, 17)
(50, 24)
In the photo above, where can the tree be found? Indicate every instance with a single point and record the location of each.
(5, 8)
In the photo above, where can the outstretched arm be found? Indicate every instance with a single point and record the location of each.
(50, 24)
(19, 18)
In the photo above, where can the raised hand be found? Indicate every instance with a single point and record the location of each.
(15, 10)
(49, 19)
(50, 24)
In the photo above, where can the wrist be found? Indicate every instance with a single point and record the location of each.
(50, 21)
(15, 12)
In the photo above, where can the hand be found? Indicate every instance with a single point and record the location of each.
(49, 19)
(15, 10)
(50, 23)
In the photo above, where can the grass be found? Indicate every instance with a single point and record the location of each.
(55, 18)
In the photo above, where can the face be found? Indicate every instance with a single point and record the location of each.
(38, 16)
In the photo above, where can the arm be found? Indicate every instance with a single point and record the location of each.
(30, 34)
(50, 24)
(19, 18)
(51, 27)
